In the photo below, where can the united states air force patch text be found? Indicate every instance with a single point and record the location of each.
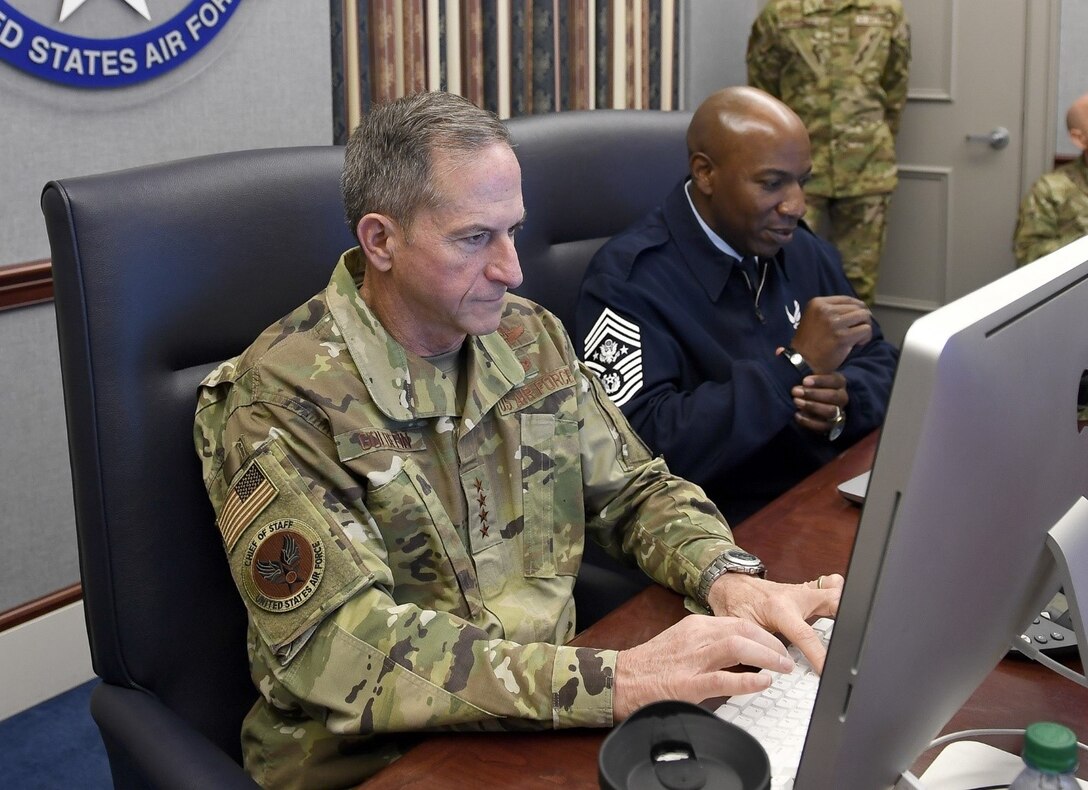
(82, 62)
(283, 565)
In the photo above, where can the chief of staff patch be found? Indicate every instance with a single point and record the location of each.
(283, 565)
(613, 350)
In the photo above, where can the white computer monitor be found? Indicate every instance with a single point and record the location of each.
(981, 455)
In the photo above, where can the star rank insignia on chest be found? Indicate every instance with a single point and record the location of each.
(481, 505)
(613, 350)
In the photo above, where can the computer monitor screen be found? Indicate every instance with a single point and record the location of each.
(980, 456)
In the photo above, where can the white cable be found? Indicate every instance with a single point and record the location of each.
(957, 736)
(1034, 653)
(909, 781)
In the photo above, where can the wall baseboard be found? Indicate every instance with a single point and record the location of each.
(44, 657)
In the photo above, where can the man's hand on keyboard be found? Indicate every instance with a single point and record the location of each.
(688, 661)
(781, 608)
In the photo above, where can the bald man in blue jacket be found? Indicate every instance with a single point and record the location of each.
(724, 328)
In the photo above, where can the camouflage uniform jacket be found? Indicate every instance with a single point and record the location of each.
(1053, 213)
(408, 567)
(842, 65)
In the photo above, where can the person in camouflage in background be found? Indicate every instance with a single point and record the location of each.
(404, 470)
(1055, 211)
(842, 65)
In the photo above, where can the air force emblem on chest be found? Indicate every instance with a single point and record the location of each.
(613, 350)
(794, 315)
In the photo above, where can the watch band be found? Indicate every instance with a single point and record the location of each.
(730, 561)
(793, 356)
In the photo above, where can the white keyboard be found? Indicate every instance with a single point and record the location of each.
(778, 716)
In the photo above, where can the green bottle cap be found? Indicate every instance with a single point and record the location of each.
(1050, 747)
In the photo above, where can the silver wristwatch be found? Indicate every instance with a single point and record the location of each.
(793, 356)
(837, 424)
(730, 561)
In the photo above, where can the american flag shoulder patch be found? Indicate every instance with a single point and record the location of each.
(249, 495)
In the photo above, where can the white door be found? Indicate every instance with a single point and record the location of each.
(978, 67)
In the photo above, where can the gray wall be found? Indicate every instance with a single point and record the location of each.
(1073, 68)
(37, 531)
(714, 40)
(264, 81)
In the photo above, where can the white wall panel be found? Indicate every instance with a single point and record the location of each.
(915, 268)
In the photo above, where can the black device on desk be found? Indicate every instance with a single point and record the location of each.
(1052, 631)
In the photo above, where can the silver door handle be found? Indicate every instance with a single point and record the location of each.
(997, 139)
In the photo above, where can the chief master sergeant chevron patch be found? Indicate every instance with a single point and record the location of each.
(613, 350)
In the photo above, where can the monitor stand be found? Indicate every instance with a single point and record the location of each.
(1068, 543)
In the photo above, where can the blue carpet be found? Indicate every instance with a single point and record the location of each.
(55, 745)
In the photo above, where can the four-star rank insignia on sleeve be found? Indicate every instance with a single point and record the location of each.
(613, 350)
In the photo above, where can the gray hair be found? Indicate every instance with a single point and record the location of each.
(388, 160)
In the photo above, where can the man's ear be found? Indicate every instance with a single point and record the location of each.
(377, 236)
(702, 171)
(1079, 138)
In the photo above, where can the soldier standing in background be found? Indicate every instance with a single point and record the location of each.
(1055, 211)
(842, 65)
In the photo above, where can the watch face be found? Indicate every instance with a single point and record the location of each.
(743, 558)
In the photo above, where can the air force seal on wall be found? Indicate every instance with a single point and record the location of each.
(613, 351)
(57, 55)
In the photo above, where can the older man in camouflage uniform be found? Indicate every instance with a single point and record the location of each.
(1055, 211)
(842, 65)
(404, 470)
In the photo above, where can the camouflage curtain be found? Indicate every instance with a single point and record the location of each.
(514, 57)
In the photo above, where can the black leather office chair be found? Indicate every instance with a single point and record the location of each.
(586, 176)
(160, 273)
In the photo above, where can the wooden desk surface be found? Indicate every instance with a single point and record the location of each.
(808, 531)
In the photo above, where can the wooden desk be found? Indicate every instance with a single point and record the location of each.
(808, 531)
